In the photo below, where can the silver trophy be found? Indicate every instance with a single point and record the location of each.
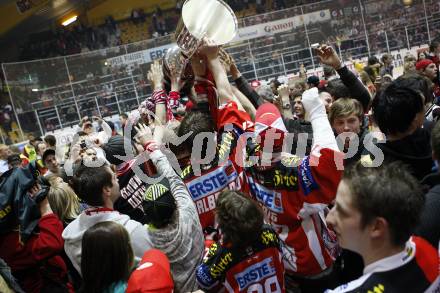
(212, 19)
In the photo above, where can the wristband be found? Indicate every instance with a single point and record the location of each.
(159, 97)
(151, 146)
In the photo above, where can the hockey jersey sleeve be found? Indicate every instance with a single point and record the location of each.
(319, 176)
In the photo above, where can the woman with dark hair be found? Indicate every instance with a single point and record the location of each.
(107, 258)
(248, 248)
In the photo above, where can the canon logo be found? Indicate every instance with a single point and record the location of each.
(278, 27)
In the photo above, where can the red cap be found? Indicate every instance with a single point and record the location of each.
(322, 84)
(152, 274)
(422, 64)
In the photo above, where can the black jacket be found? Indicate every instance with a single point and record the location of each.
(429, 226)
(357, 90)
(413, 150)
(16, 205)
(362, 150)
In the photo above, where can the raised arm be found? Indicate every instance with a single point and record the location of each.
(155, 76)
(224, 90)
(358, 91)
(244, 86)
(316, 114)
(178, 188)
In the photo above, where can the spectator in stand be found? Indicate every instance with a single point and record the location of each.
(4, 153)
(7, 118)
(50, 162)
(421, 56)
(434, 49)
(373, 68)
(245, 245)
(387, 67)
(409, 64)
(36, 263)
(98, 188)
(107, 258)
(274, 85)
(41, 148)
(123, 119)
(427, 67)
(375, 214)
(135, 17)
(50, 141)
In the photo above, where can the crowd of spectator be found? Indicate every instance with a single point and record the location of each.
(315, 185)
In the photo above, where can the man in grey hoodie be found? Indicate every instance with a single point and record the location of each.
(173, 222)
(99, 188)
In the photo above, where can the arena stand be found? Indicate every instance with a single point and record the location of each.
(54, 94)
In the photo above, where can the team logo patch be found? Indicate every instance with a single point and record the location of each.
(212, 182)
(308, 183)
(155, 191)
(204, 277)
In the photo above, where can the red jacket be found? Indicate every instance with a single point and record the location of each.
(41, 253)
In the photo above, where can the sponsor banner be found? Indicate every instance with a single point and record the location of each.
(282, 25)
(140, 57)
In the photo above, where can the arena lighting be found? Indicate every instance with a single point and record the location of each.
(69, 20)
(407, 2)
(35, 90)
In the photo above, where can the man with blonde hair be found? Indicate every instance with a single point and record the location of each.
(347, 116)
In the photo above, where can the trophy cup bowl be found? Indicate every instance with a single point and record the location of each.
(212, 19)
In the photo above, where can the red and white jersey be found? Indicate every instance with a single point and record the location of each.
(222, 172)
(256, 268)
(294, 199)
